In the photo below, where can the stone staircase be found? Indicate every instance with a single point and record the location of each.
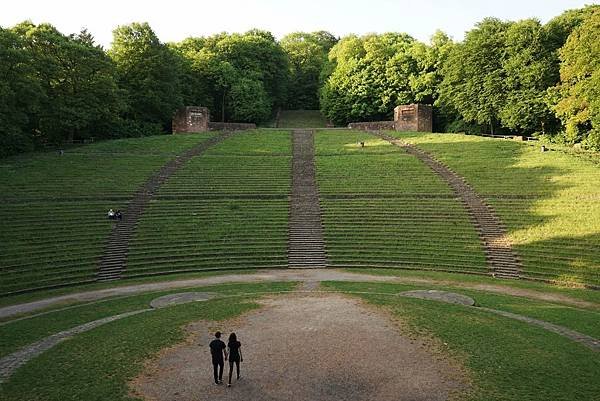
(306, 246)
(501, 260)
(114, 259)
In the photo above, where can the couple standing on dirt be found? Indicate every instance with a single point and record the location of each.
(219, 354)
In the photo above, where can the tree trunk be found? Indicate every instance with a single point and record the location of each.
(223, 108)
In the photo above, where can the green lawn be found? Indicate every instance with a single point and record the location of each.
(383, 207)
(97, 365)
(550, 202)
(506, 359)
(55, 206)
(301, 119)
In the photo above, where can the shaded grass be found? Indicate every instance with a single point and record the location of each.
(301, 119)
(457, 279)
(23, 332)
(507, 359)
(97, 365)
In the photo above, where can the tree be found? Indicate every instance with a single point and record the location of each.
(578, 93)
(80, 95)
(307, 54)
(371, 75)
(528, 67)
(20, 94)
(474, 77)
(150, 74)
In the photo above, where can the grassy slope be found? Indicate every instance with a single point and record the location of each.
(302, 119)
(97, 365)
(20, 333)
(195, 231)
(57, 205)
(557, 229)
(507, 360)
(401, 229)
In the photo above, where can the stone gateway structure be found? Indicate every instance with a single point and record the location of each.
(191, 119)
(414, 117)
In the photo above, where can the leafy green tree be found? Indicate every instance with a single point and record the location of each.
(307, 54)
(80, 94)
(150, 74)
(528, 67)
(373, 74)
(248, 101)
(578, 93)
(474, 77)
(20, 93)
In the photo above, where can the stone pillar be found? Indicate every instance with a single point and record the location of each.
(191, 119)
(413, 117)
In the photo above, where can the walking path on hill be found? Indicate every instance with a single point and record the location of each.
(306, 275)
(306, 347)
(114, 259)
(306, 246)
(500, 257)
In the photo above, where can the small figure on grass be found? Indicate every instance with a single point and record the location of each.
(235, 355)
(111, 214)
(219, 354)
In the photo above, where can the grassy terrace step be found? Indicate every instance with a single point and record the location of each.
(55, 206)
(432, 233)
(555, 226)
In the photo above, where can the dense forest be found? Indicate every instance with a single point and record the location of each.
(515, 77)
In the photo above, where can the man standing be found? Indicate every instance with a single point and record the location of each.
(218, 350)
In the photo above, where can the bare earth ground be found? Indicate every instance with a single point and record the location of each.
(306, 347)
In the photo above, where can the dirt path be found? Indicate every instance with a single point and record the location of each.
(306, 347)
(303, 275)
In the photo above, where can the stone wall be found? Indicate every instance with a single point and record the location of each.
(373, 125)
(216, 126)
(414, 117)
(190, 119)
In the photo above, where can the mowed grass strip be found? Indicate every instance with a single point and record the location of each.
(555, 228)
(507, 360)
(111, 168)
(55, 206)
(255, 143)
(196, 235)
(97, 365)
(21, 333)
(430, 234)
(302, 119)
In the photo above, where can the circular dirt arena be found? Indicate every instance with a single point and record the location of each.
(306, 347)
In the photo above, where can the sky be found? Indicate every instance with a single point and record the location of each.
(174, 20)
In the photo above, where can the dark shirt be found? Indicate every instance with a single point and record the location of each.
(216, 349)
(234, 350)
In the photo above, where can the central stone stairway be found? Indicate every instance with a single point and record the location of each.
(306, 247)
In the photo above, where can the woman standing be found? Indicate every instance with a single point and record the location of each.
(235, 355)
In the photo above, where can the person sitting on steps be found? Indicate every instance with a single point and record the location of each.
(111, 214)
(119, 215)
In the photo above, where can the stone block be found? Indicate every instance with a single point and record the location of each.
(414, 117)
(191, 119)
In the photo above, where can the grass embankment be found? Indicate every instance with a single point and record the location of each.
(301, 119)
(97, 365)
(507, 360)
(550, 202)
(55, 206)
(239, 229)
(383, 207)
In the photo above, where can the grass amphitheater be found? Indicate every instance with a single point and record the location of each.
(429, 267)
